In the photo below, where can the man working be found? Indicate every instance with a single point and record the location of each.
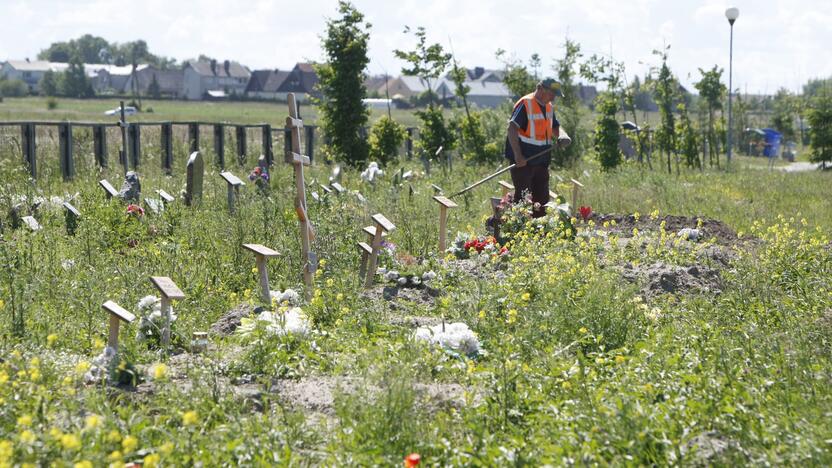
(531, 129)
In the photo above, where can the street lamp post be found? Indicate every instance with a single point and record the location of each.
(732, 14)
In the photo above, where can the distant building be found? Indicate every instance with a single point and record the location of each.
(276, 84)
(223, 79)
(113, 79)
(170, 81)
(30, 72)
(488, 94)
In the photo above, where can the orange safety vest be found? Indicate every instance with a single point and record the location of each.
(539, 130)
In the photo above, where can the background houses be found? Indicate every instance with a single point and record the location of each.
(203, 79)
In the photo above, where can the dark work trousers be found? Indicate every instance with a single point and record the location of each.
(534, 180)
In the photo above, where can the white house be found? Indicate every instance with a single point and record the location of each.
(226, 78)
(30, 72)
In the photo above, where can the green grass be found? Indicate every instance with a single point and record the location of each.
(581, 367)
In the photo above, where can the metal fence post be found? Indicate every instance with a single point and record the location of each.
(134, 133)
(268, 150)
(99, 144)
(167, 146)
(193, 136)
(219, 144)
(241, 144)
(28, 135)
(65, 150)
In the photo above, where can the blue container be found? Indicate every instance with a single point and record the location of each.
(772, 138)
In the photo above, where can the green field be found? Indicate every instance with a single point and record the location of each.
(607, 341)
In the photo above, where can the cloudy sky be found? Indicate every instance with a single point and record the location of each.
(777, 43)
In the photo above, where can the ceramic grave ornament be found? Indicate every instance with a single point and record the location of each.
(131, 188)
(109, 190)
(444, 205)
(336, 174)
(261, 255)
(71, 215)
(298, 161)
(169, 291)
(117, 315)
(234, 184)
(195, 170)
(382, 225)
(31, 223)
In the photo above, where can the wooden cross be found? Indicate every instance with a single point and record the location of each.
(169, 291)
(366, 251)
(507, 188)
(117, 314)
(444, 204)
(576, 186)
(109, 190)
(234, 184)
(382, 225)
(261, 255)
(293, 156)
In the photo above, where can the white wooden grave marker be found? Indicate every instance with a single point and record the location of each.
(109, 190)
(437, 189)
(444, 205)
(382, 225)
(261, 255)
(338, 187)
(507, 187)
(154, 206)
(72, 216)
(166, 197)
(117, 315)
(31, 223)
(169, 291)
(298, 161)
(326, 189)
(234, 184)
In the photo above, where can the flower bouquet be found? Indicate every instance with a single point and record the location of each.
(260, 178)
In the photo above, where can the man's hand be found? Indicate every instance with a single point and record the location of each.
(519, 160)
(564, 141)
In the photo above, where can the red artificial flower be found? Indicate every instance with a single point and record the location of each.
(258, 170)
(412, 460)
(586, 212)
(133, 209)
(503, 250)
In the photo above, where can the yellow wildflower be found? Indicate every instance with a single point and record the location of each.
(83, 464)
(582, 330)
(51, 339)
(160, 371)
(620, 359)
(189, 418)
(339, 297)
(27, 437)
(115, 455)
(151, 460)
(566, 385)
(93, 421)
(526, 297)
(113, 436)
(166, 448)
(82, 367)
(129, 443)
(70, 441)
(98, 344)
(512, 316)
(6, 450)
(24, 421)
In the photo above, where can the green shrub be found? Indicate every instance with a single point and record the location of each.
(13, 88)
(386, 136)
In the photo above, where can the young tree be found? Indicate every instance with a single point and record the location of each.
(666, 90)
(712, 91)
(687, 140)
(607, 133)
(50, 83)
(517, 78)
(153, 89)
(428, 62)
(386, 136)
(570, 112)
(783, 117)
(341, 82)
(820, 121)
(75, 82)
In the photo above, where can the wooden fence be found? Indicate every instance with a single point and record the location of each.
(133, 153)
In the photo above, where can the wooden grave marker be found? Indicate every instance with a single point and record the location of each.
(109, 190)
(316, 197)
(31, 223)
(366, 251)
(154, 206)
(382, 225)
(169, 291)
(576, 187)
(437, 189)
(325, 188)
(117, 315)
(166, 197)
(195, 173)
(261, 255)
(234, 184)
(495, 208)
(338, 187)
(71, 215)
(507, 187)
(297, 160)
(444, 205)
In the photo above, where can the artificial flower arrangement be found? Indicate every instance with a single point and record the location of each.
(516, 217)
(455, 338)
(409, 277)
(260, 178)
(135, 211)
(151, 321)
(465, 247)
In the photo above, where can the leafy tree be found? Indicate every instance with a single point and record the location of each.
(517, 78)
(607, 133)
(50, 84)
(433, 133)
(814, 87)
(712, 91)
(819, 116)
(687, 139)
(425, 61)
(666, 89)
(75, 82)
(13, 88)
(571, 112)
(386, 137)
(341, 84)
(783, 117)
(153, 89)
